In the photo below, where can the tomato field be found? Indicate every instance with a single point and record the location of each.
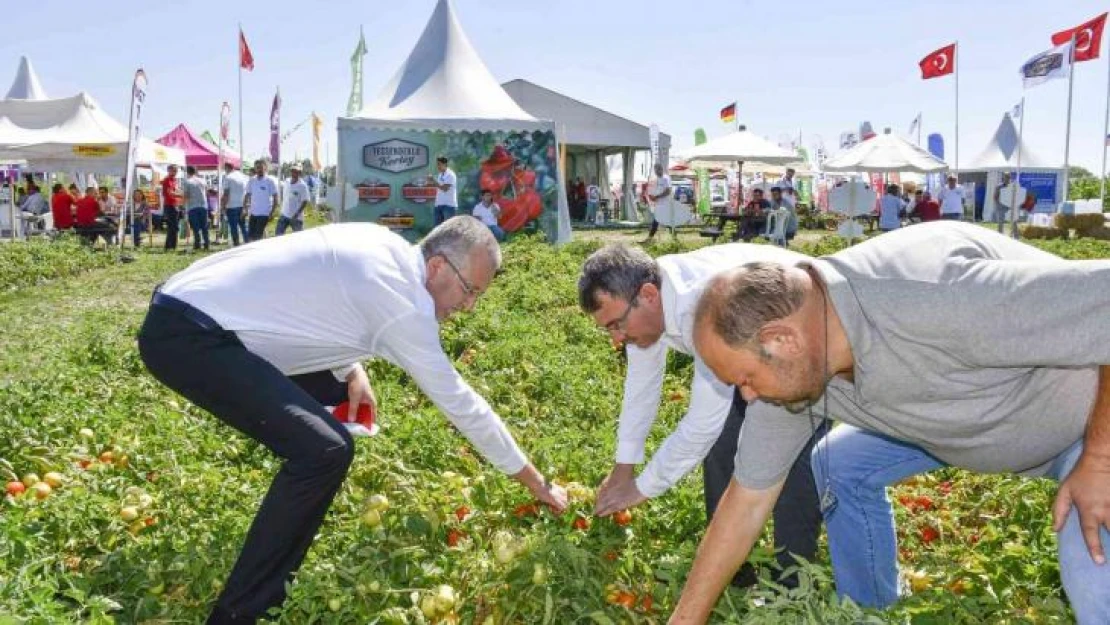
(127, 504)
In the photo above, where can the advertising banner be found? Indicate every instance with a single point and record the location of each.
(394, 175)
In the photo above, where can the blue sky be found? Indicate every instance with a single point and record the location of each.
(790, 65)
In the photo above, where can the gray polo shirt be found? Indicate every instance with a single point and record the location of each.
(977, 348)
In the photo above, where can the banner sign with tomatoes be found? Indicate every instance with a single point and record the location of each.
(394, 174)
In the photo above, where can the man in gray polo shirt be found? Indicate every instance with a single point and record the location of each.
(900, 339)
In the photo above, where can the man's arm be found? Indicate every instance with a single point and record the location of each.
(736, 526)
(1088, 485)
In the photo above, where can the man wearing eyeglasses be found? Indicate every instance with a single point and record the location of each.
(226, 334)
(649, 304)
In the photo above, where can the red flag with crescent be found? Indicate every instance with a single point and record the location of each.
(939, 63)
(1088, 38)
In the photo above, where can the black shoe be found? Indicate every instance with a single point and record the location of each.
(746, 577)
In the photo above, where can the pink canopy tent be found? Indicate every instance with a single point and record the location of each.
(198, 152)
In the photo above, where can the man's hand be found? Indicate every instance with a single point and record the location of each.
(359, 391)
(618, 491)
(549, 494)
(1088, 489)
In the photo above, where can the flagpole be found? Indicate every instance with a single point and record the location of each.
(956, 72)
(919, 122)
(1067, 132)
(239, 63)
(1016, 182)
(1105, 132)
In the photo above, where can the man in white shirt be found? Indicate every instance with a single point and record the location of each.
(226, 335)
(662, 190)
(951, 200)
(196, 203)
(296, 200)
(232, 196)
(262, 200)
(649, 304)
(447, 192)
(487, 212)
(787, 181)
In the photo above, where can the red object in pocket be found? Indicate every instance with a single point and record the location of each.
(365, 415)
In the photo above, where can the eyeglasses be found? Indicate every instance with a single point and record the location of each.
(469, 289)
(621, 323)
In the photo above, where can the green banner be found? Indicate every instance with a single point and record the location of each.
(704, 205)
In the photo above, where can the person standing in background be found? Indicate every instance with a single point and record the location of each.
(197, 204)
(233, 194)
(447, 192)
(261, 198)
(171, 205)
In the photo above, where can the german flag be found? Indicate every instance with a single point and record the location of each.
(728, 114)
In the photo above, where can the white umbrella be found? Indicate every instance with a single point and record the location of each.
(885, 153)
(743, 146)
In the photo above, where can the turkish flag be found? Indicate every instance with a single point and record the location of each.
(246, 59)
(1088, 38)
(939, 63)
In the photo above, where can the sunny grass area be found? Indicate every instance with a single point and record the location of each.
(980, 548)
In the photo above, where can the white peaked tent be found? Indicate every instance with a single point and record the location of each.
(72, 134)
(1000, 155)
(443, 85)
(26, 85)
(885, 153)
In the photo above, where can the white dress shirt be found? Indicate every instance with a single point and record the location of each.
(360, 293)
(951, 201)
(684, 277)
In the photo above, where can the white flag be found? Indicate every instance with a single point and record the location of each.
(1050, 64)
(914, 124)
(138, 98)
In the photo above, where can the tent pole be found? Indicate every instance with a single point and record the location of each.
(1105, 133)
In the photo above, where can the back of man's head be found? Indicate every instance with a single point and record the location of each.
(458, 239)
(617, 270)
(736, 304)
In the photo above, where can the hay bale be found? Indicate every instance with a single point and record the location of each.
(1064, 222)
(1102, 233)
(1088, 221)
(1037, 232)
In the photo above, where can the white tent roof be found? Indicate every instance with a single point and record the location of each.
(1001, 152)
(580, 123)
(885, 153)
(72, 134)
(444, 84)
(744, 146)
(26, 85)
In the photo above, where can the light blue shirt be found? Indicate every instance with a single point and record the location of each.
(889, 208)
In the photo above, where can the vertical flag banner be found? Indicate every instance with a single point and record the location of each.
(704, 203)
(728, 114)
(225, 120)
(317, 125)
(935, 143)
(138, 97)
(1048, 65)
(354, 102)
(939, 63)
(1088, 39)
(865, 131)
(246, 59)
(275, 129)
(653, 136)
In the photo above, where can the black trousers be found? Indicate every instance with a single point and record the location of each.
(797, 513)
(184, 349)
(170, 217)
(256, 227)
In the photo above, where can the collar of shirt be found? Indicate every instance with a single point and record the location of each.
(678, 307)
(424, 302)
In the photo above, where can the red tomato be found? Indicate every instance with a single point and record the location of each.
(453, 537)
(462, 512)
(526, 510)
(929, 534)
(622, 517)
(581, 523)
(16, 488)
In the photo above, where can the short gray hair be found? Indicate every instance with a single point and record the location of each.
(617, 270)
(457, 238)
(738, 303)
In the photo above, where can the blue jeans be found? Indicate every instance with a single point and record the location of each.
(287, 222)
(498, 233)
(236, 225)
(861, 465)
(443, 213)
(198, 221)
(137, 229)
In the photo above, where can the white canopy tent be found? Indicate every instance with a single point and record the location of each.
(1000, 156)
(742, 146)
(26, 85)
(885, 153)
(72, 134)
(443, 85)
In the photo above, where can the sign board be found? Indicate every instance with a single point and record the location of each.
(93, 151)
(395, 155)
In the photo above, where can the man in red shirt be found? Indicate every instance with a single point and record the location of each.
(89, 220)
(927, 209)
(61, 207)
(171, 206)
